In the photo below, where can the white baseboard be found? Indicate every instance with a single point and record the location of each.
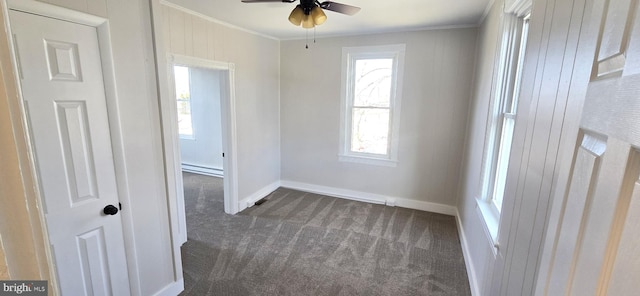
(371, 197)
(172, 289)
(189, 168)
(466, 253)
(250, 200)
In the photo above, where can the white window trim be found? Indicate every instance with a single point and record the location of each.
(502, 91)
(397, 52)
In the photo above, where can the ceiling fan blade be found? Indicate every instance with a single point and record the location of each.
(339, 7)
(265, 1)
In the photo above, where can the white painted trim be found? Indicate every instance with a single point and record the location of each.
(371, 197)
(213, 172)
(56, 12)
(468, 262)
(486, 12)
(490, 225)
(171, 135)
(173, 289)
(520, 8)
(118, 146)
(189, 61)
(350, 55)
(367, 160)
(250, 200)
(424, 206)
(213, 20)
(173, 179)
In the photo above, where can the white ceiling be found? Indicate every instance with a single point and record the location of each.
(376, 16)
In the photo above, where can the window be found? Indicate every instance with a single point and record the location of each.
(371, 92)
(503, 120)
(183, 99)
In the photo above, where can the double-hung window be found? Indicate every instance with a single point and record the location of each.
(502, 120)
(371, 93)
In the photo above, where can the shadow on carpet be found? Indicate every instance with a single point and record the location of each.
(299, 243)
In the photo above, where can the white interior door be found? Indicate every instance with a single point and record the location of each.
(62, 86)
(596, 247)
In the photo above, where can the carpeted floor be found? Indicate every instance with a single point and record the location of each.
(300, 243)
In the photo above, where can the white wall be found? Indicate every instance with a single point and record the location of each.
(257, 61)
(205, 149)
(437, 87)
(480, 255)
(152, 268)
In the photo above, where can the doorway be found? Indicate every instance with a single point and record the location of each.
(198, 103)
(175, 139)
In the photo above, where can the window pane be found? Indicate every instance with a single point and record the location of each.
(185, 126)
(512, 103)
(373, 82)
(370, 131)
(503, 162)
(183, 99)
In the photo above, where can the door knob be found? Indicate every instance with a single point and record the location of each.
(110, 210)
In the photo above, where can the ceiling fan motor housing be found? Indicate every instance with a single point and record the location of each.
(307, 6)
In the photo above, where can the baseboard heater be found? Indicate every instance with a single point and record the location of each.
(196, 169)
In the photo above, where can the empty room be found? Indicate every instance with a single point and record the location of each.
(298, 147)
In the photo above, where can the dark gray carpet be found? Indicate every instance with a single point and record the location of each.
(300, 243)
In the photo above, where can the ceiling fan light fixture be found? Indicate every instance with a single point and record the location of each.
(318, 16)
(307, 22)
(297, 16)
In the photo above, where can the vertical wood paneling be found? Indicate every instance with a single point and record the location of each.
(545, 101)
(256, 60)
(199, 38)
(211, 44)
(223, 40)
(166, 25)
(96, 7)
(188, 34)
(436, 87)
(176, 29)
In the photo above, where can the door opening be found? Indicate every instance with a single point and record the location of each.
(198, 103)
(189, 121)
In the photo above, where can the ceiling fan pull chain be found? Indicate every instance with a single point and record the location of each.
(314, 34)
(306, 39)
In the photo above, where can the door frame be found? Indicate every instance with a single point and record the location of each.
(171, 141)
(111, 99)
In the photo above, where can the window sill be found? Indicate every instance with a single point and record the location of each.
(186, 137)
(368, 160)
(491, 222)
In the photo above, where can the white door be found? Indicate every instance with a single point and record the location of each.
(595, 248)
(62, 85)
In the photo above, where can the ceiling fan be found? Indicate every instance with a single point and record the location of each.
(309, 13)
